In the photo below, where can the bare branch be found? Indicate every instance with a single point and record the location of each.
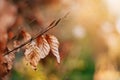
(52, 25)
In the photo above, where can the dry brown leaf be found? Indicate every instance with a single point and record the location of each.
(26, 35)
(32, 54)
(54, 45)
(6, 63)
(31, 51)
(10, 35)
(9, 60)
(43, 46)
(3, 69)
(39, 49)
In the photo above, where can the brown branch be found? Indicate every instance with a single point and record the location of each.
(52, 25)
(39, 34)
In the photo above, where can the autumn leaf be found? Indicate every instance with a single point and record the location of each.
(31, 51)
(32, 54)
(40, 48)
(9, 60)
(34, 51)
(54, 45)
(6, 63)
(26, 35)
(43, 46)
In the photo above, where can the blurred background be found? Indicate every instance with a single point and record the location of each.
(89, 38)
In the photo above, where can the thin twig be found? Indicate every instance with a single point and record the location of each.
(53, 22)
(48, 28)
(52, 25)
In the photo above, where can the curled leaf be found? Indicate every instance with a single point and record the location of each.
(54, 45)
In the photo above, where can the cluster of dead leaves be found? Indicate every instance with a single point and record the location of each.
(40, 48)
(35, 50)
(7, 19)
